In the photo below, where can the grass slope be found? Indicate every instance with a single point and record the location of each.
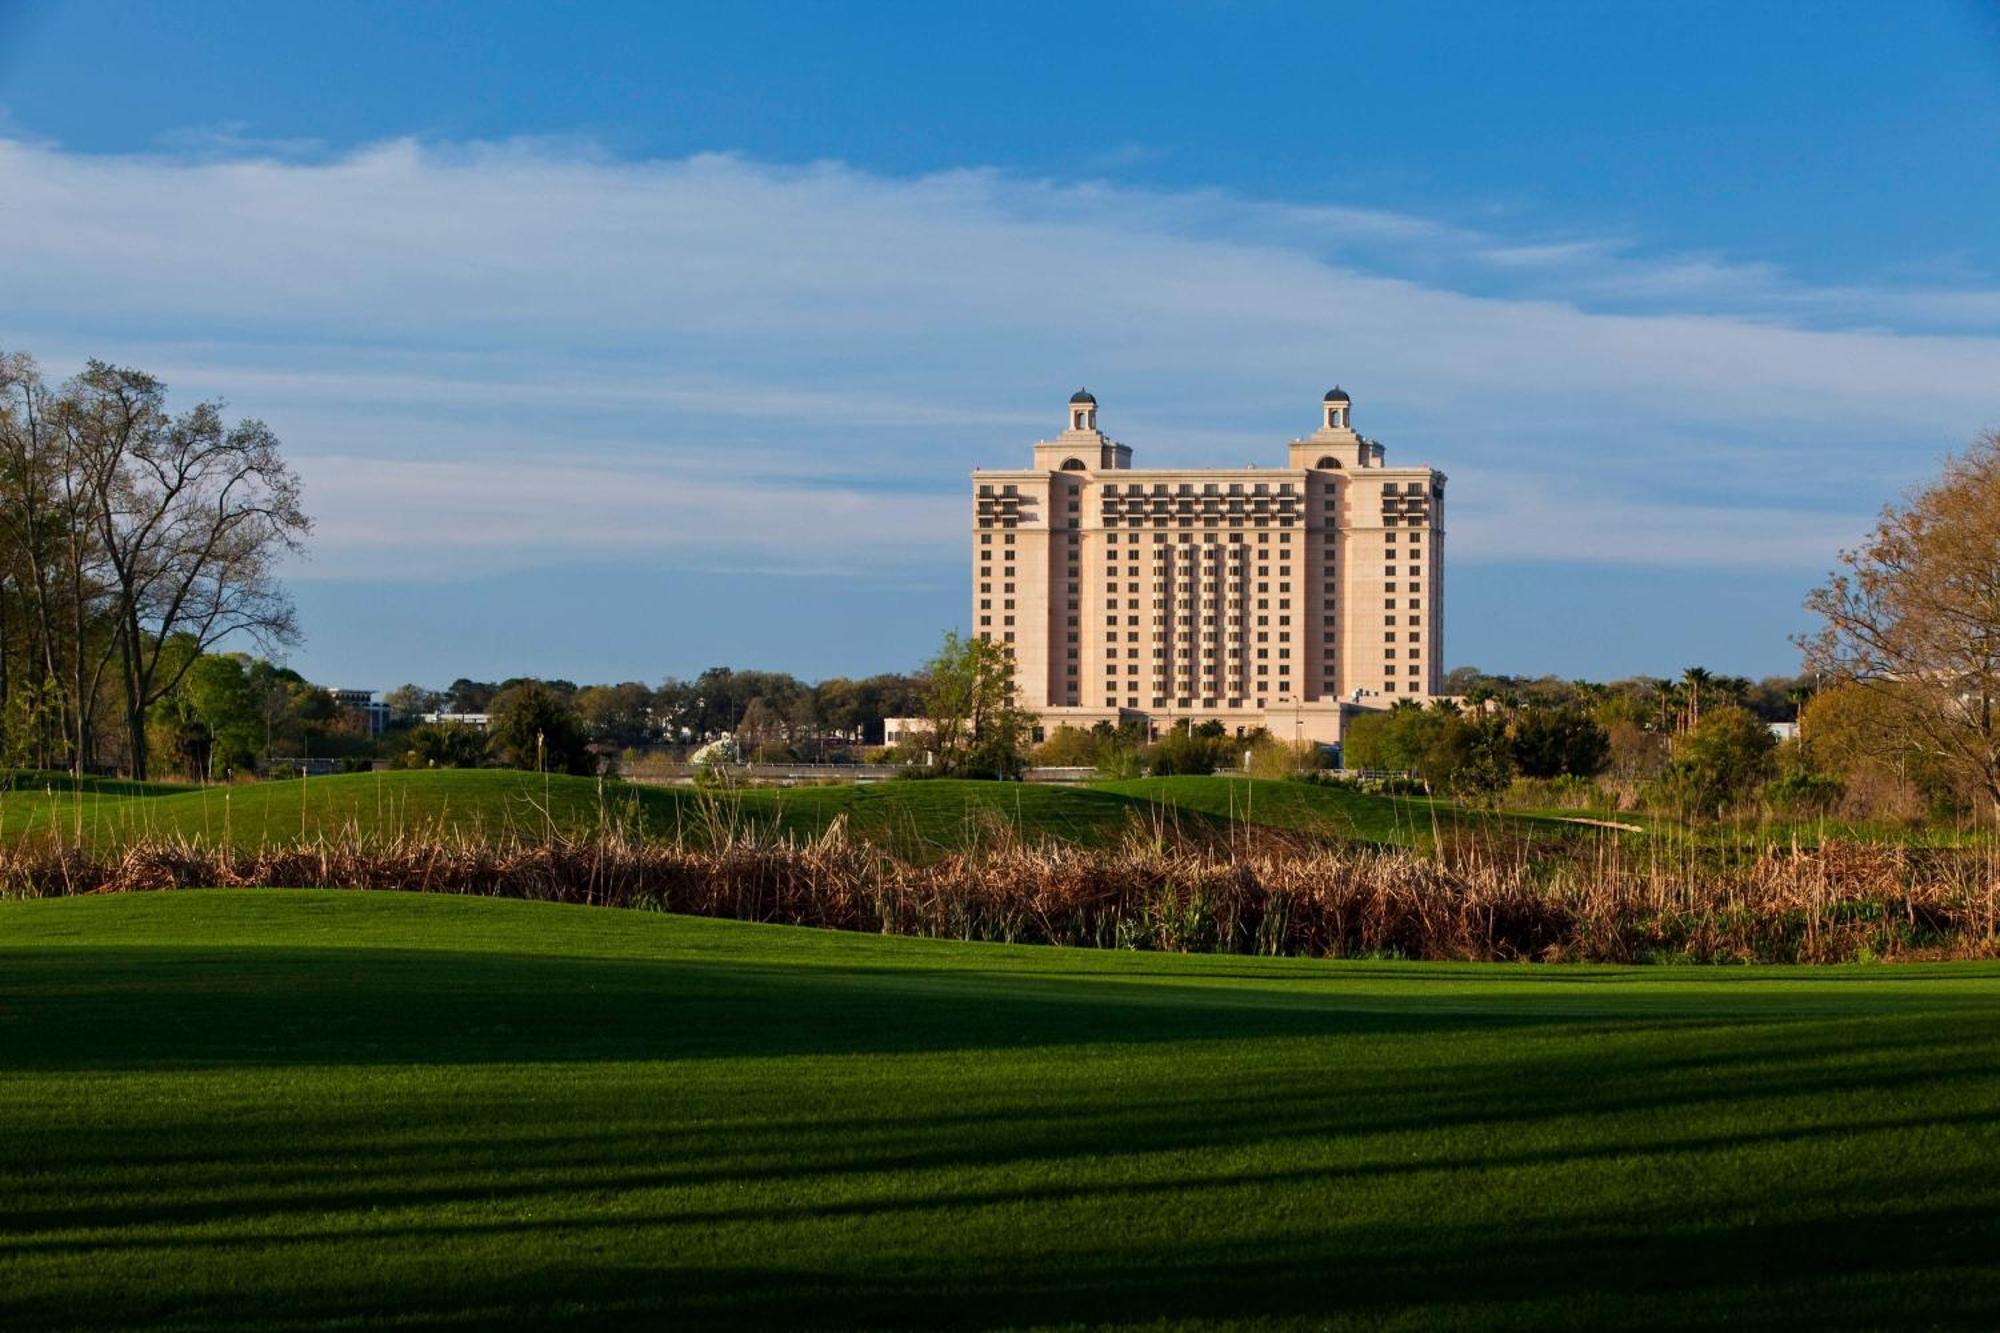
(251, 1109)
(1301, 807)
(913, 817)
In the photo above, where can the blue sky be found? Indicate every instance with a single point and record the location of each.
(1677, 294)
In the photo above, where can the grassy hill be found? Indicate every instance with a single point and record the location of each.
(250, 1109)
(912, 817)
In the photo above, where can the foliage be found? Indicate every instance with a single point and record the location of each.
(1723, 760)
(620, 715)
(1799, 792)
(1191, 750)
(1396, 740)
(407, 703)
(1067, 747)
(443, 745)
(536, 727)
(1915, 619)
(1273, 758)
(1469, 757)
(132, 541)
(977, 727)
(1556, 742)
(1634, 754)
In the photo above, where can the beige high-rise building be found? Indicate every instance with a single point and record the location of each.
(1272, 597)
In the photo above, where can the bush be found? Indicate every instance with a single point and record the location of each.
(1469, 758)
(443, 745)
(1067, 747)
(1721, 762)
(1802, 793)
(1562, 793)
(1273, 758)
(1181, 751)
(535, 728)
(1396, 740)
(1558, 742)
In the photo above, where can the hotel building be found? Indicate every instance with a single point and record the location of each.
(1272, 597)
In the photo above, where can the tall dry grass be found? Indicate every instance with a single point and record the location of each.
(1471, 899)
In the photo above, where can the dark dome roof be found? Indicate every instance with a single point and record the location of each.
(1083, 396)
(1337, 395)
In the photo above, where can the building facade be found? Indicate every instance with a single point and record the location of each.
(371, 714)
(1254, 597)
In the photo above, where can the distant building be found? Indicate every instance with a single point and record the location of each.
(1253, 597)
(479, 720)
(896, 730)
(372, 713)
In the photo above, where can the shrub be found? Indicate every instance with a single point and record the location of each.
(443, 745)
(1800, 792)
(535, 728)
(1067, 747)
(1184, 751)
(1273, 758)
(1722, 761)
(1469, 758)
(1558, 742)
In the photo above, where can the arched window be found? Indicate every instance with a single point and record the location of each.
(1329, 462)
(1074, 465)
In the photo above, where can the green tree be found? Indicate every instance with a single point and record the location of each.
(1554, 742)
(977, 727)
(407, 703)
(1396, 740)
(1067, 747)
(1723, 760)
(443, 745)
(219, 687)
(1469, 756)
(620, 715)
(1189, 750)
(535, 727)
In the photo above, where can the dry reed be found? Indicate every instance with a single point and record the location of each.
(1483, 901)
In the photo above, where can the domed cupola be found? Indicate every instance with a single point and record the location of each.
(1082, 410)
(1337, 405)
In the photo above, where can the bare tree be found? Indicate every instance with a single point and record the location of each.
(47, 525)
(1915, 617)
(191, 515)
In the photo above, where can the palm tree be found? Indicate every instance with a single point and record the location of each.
(1694, 678)
(1665, 694)
(1733, 689)
(1588, 693)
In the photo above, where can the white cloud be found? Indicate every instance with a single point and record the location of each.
(429, 520)
(526, 351)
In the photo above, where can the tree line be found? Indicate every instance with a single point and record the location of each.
(771, 711)
(133, 539)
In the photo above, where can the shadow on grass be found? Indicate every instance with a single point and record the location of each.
(530, 1141)
(108, 1007)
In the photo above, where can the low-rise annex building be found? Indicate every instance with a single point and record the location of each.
(1252, 597)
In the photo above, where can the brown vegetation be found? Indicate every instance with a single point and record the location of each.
(1473, 902)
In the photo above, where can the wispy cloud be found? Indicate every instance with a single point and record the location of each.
(524, 351)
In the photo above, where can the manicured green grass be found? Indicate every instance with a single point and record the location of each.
(259, 1109)
(914, 818)
(44, 780)
(487, 803)
(1330, 811)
